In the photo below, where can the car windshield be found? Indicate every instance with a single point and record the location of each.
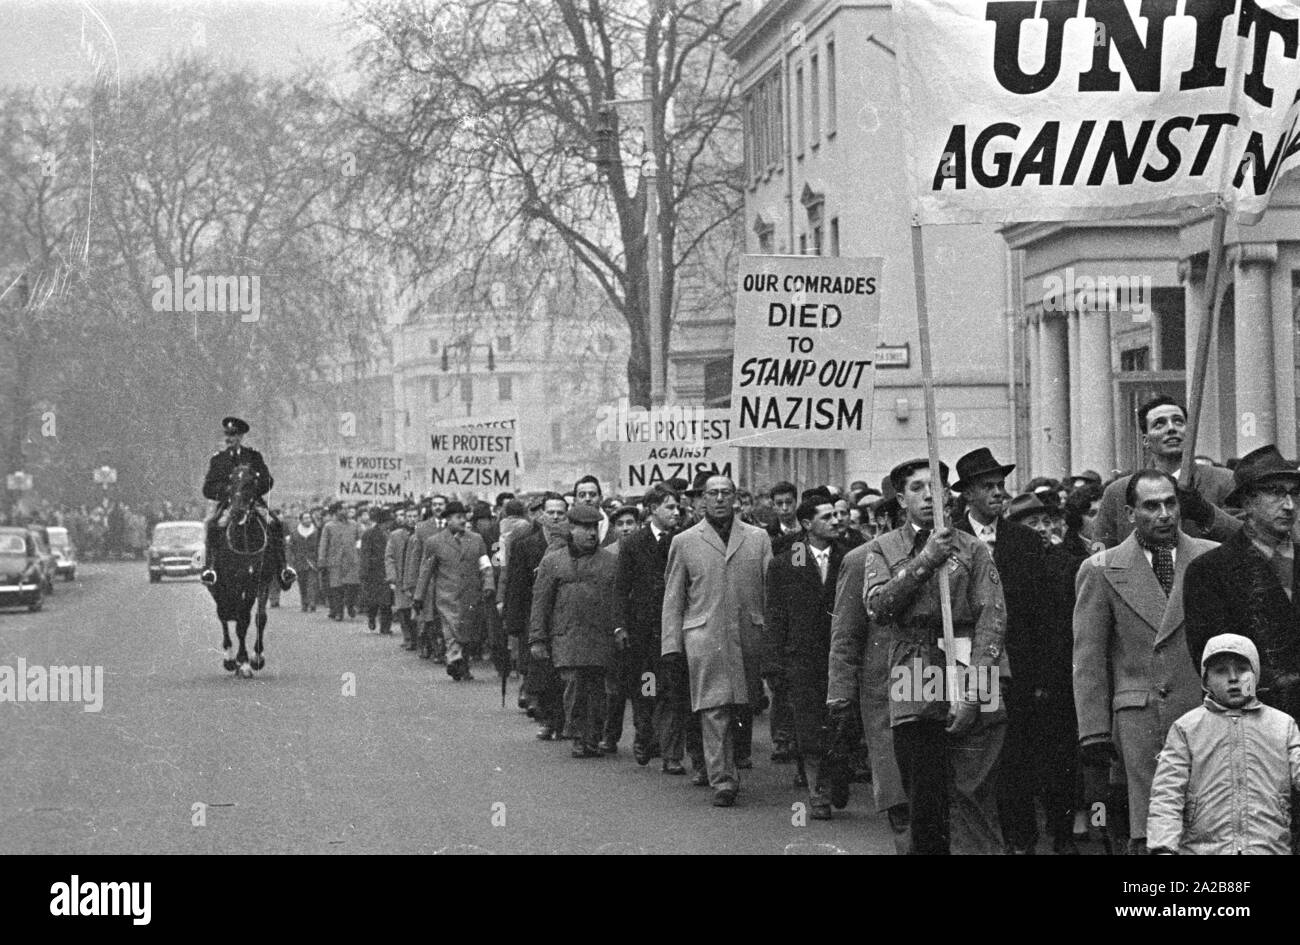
(12, 545)
(58, 538)
(177, 534)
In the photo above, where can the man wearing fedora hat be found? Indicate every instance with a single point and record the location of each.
(1248, 584)
(1018, 555)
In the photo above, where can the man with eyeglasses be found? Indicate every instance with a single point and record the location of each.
(1248, 584)
(713, 615)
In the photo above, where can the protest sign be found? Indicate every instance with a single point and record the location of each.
(477, 453)
(372, 474)
(673, 443)
(806, 331)
(1088, 110)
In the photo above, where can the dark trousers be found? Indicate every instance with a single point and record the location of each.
(343, 596)
(546, 690)
(308, 587)
(1017, 775)
(678, 727)
(781, 722)
(623, 681)
(584, 702)
(384, 612)
(1056, 763)
(951, 785)
(403, 617)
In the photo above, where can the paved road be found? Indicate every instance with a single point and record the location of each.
(287, 763)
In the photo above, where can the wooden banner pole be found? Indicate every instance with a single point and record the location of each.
(1210, 317)
(932, 443)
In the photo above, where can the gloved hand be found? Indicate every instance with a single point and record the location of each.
(939, 547)
(620, 638)
(1194, 507)
(1097, 754)
(961, 717)
(538, 651)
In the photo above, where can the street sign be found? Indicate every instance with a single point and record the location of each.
(18, 482)
(105, 475)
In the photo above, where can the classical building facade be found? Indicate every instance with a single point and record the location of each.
(823, 175)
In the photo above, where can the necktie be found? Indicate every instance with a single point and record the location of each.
(922, 536)
(1162, 560)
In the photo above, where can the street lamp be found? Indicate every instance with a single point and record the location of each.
(467, 347)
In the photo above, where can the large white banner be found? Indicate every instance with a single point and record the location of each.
(806, 330)
(475, 454)
(1084, 109)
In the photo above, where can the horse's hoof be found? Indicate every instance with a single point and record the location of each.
(229, 664)
(244, 671)
(257, 662)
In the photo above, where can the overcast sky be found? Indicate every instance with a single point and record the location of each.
(49, 42)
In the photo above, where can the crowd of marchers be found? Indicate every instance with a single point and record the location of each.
(1126, 666)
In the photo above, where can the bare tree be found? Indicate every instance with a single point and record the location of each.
(482, 118)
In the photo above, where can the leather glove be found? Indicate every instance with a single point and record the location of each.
(961, 717)
(1097, 754)
(1194, 507)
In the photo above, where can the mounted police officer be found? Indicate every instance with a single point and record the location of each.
(216, 489)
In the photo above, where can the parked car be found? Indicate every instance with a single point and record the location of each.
(21, 579)
(65, 555)
(49, 564)
(176, 550)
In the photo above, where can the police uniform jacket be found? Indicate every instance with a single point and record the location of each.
(216, 484)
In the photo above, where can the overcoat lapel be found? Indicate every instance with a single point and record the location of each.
(1135, 581)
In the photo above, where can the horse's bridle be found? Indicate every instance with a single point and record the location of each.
(240, 508)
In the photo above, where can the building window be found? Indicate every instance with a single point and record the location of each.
(1137, 359)
(751, 161)
(408, 418)
(835, 236)
(1170, 306)
(503, 344)
(434, 394)
(798, 111)
(433, 346)
(830, 87)
(814, 104)
(505, 388)
(803, 244)
(467, 388)
(717, 382)
(557, 437)
(817, 239)
(775, 136)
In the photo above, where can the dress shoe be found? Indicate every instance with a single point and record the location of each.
(673, 767)
(586, 751)
(724, 798)
(546, 734)
(208, 577)
(819, 809)
(1065, 846)
(466, 675)
(700, 778)
(607, 747)
(456, 669)
(522, 702)
(640, 754)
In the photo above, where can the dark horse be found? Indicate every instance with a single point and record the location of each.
(245, 569)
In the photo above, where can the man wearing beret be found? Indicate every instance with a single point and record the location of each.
(947, 752)
(216, 489)
(572, 624)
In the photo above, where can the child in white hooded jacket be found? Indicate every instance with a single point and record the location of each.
(1224, 779)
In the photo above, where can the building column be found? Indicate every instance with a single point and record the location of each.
(1035, 385)
(1076, 415)
(1054, 394)
(1196, 301)
(1095, 403)
(1253, 333)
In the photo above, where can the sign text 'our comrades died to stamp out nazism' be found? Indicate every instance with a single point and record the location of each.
(806, 330)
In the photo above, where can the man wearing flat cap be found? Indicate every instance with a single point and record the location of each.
(572, 624)
(216, 489)
(946, 752)
(1248, 584)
